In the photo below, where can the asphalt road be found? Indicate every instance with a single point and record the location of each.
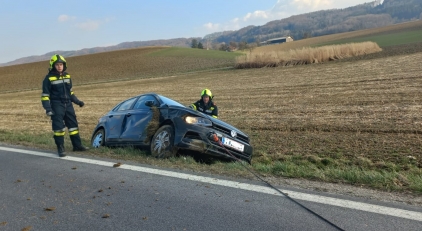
(42, 192)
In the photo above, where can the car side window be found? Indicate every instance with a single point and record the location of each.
(140, 104)
(126, 105)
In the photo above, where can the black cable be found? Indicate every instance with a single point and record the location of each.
(278, 190)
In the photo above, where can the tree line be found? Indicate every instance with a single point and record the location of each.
(231, 46)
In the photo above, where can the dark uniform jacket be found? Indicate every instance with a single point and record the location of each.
(210, 108)
(57, 89)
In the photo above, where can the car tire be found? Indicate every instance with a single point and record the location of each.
(162, 143)
(98, 139)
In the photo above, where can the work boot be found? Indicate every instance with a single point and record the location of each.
(80, 149)
(60, 150)
(59, 140)
(77, 144)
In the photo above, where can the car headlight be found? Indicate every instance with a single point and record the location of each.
(198, 121)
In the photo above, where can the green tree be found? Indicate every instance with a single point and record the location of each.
(194, 43)
(200, 46)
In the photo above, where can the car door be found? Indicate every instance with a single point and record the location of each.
(137, 119)
(115, 120)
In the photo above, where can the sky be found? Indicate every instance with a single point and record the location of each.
(36, 27)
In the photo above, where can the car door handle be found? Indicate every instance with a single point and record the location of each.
(128, 115)
(110, 116)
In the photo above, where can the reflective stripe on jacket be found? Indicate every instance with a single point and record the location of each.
(210, 108)
(57, 88)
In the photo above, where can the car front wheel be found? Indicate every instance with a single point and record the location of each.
(98, 139)
(162, 144)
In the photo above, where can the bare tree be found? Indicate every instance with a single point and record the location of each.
(233, 45)
(243, 45)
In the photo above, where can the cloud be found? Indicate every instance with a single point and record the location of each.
(281, 9)
(312, 4)
(88, 25)
(91, 25)
(65, 18)
(252, 18)
(259, 14)
(212, 26)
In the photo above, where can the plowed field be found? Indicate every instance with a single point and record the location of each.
(362, 109)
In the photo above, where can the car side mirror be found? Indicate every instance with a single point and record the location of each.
(149, 103)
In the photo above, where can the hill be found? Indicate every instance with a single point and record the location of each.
(177, 42)
(324, 22)
(148, 62)
(392, 35)
(136, 63)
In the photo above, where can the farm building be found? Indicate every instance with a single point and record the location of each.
(277, 40)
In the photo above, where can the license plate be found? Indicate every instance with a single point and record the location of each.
(233, 144)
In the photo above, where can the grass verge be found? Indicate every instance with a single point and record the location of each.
(362, 173)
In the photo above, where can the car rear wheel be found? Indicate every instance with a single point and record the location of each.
(162, 144)
(98, 139)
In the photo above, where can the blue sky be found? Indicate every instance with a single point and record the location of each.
(35, 27)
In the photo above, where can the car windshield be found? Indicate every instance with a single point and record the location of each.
(170, 101)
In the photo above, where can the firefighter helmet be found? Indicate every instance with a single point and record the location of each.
(57, 59)
(206, 92)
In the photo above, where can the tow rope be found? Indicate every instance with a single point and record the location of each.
(216, 139)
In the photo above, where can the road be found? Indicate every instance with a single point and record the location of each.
(40, 191)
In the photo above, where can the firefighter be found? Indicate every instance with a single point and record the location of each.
(57, 98)
(205, 104)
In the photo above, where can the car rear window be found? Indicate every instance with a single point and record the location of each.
(125, 105)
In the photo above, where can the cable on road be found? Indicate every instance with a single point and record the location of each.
(278, 190)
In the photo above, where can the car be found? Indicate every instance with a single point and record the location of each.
(167, 127)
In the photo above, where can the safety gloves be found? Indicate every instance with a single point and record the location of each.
(81, 103)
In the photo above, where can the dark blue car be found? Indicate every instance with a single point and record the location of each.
(167, 127)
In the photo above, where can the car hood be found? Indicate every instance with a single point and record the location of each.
(224, 124)
(213, 120)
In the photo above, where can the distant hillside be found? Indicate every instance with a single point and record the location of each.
(374, 14)
(363, 16)
(177, 42)
(136, 63)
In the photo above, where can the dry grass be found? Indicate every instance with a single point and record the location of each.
(306, 55)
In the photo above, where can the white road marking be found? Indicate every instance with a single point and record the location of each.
(412, 215)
